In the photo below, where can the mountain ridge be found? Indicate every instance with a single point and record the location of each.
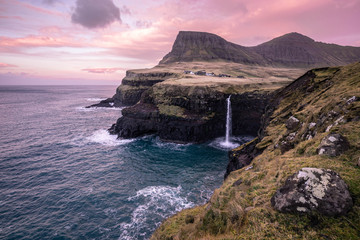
(289, 50)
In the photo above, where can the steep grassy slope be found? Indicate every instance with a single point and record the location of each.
(325, 101)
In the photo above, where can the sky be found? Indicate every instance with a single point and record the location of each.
(85, 42)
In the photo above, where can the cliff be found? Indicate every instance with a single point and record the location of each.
(191, 108)
(184, 111)
(133, 85)
(299, 179)
(196, 51)
(289, 50)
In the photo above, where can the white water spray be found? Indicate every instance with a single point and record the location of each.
(228, 122)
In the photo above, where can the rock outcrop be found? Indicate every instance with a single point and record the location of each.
(313, 189)
(133, 85)
(333, 145)
(292, 123)
(242, 156)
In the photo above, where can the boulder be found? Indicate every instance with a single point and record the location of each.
(333, 145)
(292, 123)
(287, 142)
(285, 146)
(313, 189)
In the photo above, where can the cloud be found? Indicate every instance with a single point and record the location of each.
(5, 65)
(50, 2)
(37, 41)
(102, 70)
(143, 24)
(124, 10)
(95, 13)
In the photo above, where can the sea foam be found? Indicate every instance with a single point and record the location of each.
(105, 138)
(235, 142)
(95, 99)
(158, 202)
(92, 109)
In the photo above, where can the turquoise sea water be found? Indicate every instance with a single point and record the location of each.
(62, 176)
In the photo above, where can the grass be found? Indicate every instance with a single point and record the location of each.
(171, 110)
(244, 211)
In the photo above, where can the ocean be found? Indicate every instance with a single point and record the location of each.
(62, 176)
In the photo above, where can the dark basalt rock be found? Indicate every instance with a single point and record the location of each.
(287, 142)
(109, 102)
(185, 130)
(313, 189)
(202, 115)
(242, 156)
(133, 85)
(137, 120)
(333, 145)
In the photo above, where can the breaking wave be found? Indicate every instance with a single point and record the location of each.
(156, 203)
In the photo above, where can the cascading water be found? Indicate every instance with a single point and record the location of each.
(227, 143)
(228, 122)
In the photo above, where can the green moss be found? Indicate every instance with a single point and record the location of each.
(171, 110)
(265, 142)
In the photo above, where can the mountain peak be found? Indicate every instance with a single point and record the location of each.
(292, 37)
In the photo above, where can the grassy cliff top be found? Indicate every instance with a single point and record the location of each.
(243, 77)
(241, 208)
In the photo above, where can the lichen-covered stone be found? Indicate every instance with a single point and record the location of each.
(313, 189)
(333, 145)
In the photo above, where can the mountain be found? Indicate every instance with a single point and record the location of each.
(289, 50)
(201, 46)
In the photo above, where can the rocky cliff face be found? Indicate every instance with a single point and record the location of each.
(290, 50)
(299, 173)
(133, 85)
(190, 113)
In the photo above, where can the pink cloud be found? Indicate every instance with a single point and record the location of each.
(5, 65)
(102, 70)
(39, 9)
(39, 41)
(252, 22)
(12, 17)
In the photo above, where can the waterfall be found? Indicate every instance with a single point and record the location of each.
(228, 122)
(229, 142)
